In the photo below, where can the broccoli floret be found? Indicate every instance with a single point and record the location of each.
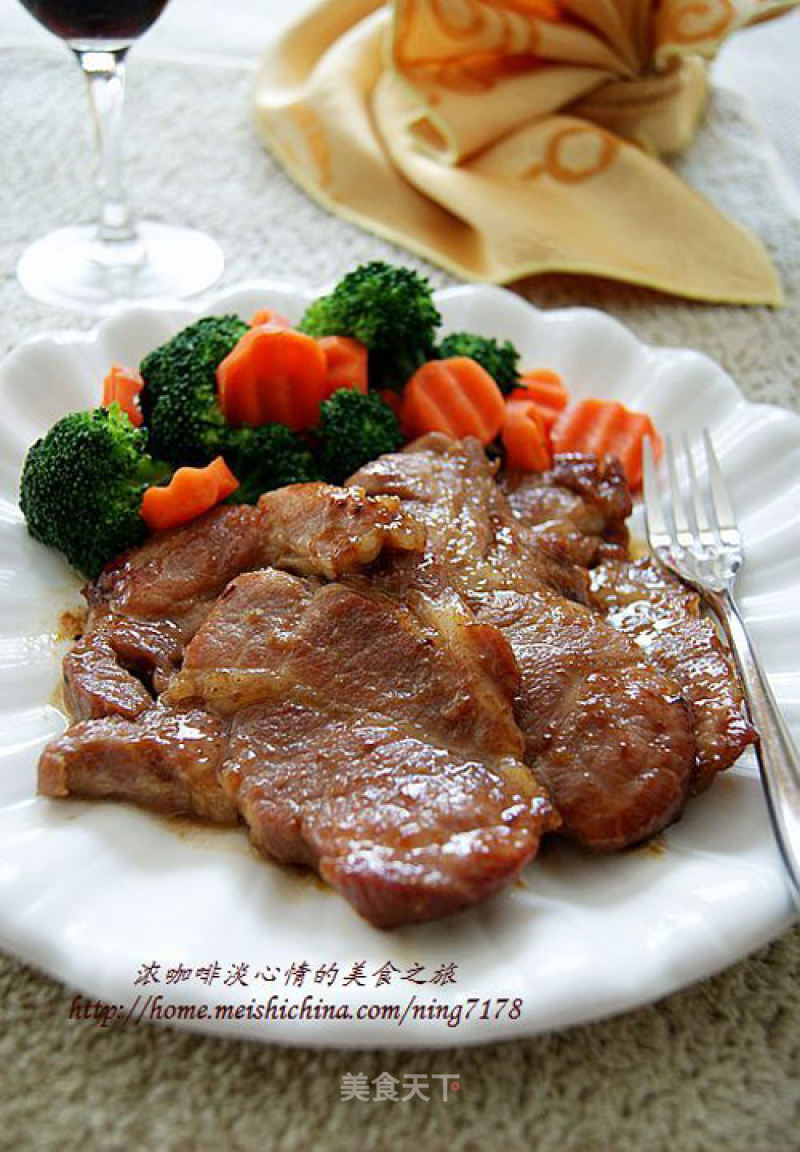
(390, 310)
(501, 361)
(179, 403)
(82, 486)
(354, 428)
(267, 457)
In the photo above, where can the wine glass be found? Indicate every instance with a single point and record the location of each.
(94, 268)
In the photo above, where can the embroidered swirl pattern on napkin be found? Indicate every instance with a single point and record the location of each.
(504, 138)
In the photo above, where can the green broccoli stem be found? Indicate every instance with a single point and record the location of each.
(152, 472)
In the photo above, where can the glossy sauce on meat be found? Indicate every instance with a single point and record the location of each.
(366, 743)
(404, 683)
(364, 728)
(609, 734)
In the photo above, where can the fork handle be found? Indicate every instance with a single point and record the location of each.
(778, 759)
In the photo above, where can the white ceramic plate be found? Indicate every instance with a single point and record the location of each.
(92, 892)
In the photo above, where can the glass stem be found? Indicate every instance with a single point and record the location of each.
(104, 69)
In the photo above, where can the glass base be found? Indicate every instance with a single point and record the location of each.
(72, 269)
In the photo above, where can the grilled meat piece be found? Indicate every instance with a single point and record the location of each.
(369, 741)
(369, 710)
(405, 829)
(152, 599)
(315, 528)
(321, 530)
(662, 614)
(364, 649)
(96, 684)
(608, 733)
(147, 603)
(578, 508)
(164, 760)
(365, 729)
(177, 574)
(118, 667)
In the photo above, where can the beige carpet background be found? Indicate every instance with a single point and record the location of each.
(714, 1067)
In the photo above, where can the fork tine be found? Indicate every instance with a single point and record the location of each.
(655, 520)
(698, 509)
(722, 508)
(679, 516)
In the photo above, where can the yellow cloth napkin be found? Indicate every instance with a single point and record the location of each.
(505, 138)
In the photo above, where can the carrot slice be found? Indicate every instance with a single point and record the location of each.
(346, 364)
(525, 437)
(273, 375)
(547, 389)
(606, 427)
(190, 492)
(122, 386)
(455, 396)
(269, 316)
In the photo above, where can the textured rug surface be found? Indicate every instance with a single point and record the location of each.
(714, 1067)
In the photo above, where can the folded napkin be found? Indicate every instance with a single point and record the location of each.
(505, 138)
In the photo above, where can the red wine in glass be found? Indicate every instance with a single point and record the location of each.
(96, 19)
(95, 268)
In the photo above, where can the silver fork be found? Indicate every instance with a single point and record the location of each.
(698, 539)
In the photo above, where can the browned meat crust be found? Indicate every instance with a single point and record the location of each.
(366, 729)
(364, 650)
(175, 575)
(315, 528)
(608, 733)
(147, 603)
(164, 760)
(320, 530)
(657, 610)
(405, 829)
(369, 741)
(152, 600)
(118, 667)
(370, 710)
(96, 684)
(581, 505)
(577, 510)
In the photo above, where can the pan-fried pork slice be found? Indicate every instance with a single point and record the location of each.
(365, 729)
(164, 760)
(176, 574)
(579, 507)
(405, 829)
(152, 599)
(608, 733)
(272, 632)
(115, 669)
(369, 741)
(145, 605)
(96, 684)
(321, 530)
(663, 615)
